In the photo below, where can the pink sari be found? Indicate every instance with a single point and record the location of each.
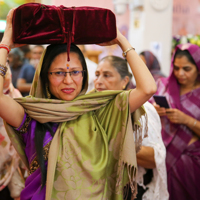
(182, 160)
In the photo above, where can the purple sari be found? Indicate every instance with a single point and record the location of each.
(32, 190)
(182, 160)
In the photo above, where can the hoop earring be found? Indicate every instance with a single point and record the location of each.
(47, 91)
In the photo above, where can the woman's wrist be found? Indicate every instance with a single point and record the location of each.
(190, 122)
(3, 50)
(6, 47)
(186, 120)
(4, 42)
(123, 43)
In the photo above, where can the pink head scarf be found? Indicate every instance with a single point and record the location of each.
(170, 83)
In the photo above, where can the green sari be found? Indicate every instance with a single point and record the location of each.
(92, 154)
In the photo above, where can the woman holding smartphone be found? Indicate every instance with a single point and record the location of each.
(181, 122)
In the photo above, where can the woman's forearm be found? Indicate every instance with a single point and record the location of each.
(145, 84)
(145, 157)
(3, 59)
(10, 110)
(143, 77)
(193, 124)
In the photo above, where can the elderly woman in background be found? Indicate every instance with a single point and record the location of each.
(152, 63)
(11, 183)
(181, 122)
(112, 74)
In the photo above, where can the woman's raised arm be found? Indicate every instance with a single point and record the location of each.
(145, 84)
(10, 110)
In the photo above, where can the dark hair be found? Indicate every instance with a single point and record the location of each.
(40, 131)
(142, 53)
(120, 65)
(180, 53)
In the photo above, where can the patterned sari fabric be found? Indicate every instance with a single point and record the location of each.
(9, 160)
(92, 154)
(182, 160)
(153, 65)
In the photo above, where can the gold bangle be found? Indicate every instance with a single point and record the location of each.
(127, 50)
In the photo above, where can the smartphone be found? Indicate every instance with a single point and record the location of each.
(161, 101)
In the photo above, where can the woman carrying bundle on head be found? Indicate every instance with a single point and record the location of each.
(67, 136)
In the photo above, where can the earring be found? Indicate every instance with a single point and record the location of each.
(47, 91)
(124, 87)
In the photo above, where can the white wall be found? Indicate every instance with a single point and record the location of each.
(155, 28)
(46, 2)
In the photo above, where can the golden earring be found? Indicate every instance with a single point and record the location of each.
(124, 87)
(47, 91)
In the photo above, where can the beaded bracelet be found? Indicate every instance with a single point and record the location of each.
(3, 70)
(4, 46)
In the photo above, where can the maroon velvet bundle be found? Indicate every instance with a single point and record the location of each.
(35, 23)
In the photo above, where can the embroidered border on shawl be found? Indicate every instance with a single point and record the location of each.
(24, 127)
(34, 164)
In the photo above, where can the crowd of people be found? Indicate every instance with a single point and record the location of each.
(23, 63)
(111, 141)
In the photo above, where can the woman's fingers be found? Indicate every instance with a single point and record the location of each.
(173, 115)
(10, 16)
(160, 110)
(9, 19)
(161, 113)
(7, 37)
(8, 34)
(170, 110)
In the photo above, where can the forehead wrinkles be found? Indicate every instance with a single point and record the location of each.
(105, 66)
